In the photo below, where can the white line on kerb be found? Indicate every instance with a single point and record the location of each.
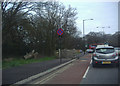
(86, 72)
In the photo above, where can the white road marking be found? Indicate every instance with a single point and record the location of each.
(87, 68)
(91, 61)
(86, 72)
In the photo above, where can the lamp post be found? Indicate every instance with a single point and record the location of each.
(84, 32)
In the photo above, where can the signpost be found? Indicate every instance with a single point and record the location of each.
(60, 32)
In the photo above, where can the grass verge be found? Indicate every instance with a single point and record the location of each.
(19, 61)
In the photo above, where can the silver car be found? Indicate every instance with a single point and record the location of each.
(104, 55)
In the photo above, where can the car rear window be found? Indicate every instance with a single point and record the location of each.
(105, 50)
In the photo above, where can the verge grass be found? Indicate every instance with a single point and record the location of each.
(20, 61)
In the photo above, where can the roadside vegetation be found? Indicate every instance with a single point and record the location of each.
(28, 26)
(13, 62)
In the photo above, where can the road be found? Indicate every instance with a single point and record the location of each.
(101, 75)
(81, 72)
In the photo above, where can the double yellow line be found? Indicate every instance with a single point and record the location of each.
(43, 81)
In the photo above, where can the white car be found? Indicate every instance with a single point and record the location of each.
(89, 51)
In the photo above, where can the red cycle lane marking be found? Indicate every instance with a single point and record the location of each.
(72, 75)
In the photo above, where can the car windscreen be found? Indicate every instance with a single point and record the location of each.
(105, 50)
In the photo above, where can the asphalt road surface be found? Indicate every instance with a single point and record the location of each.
(105, 74)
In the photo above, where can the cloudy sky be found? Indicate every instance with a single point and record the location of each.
(104, 13)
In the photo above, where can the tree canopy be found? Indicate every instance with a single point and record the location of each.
(28, 26)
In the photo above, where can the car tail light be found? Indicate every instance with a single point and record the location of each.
(94, 55)
(114, 55)
(116, 61)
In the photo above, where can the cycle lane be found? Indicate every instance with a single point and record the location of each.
(73, 74)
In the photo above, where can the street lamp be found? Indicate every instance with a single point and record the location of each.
(84, 32)
(83, 25)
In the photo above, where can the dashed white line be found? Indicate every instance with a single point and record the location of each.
(91, 61)
(86, 72)
(87, 68)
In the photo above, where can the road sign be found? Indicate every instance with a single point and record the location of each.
(60, 31)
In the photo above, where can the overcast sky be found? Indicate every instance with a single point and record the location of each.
(104, 14)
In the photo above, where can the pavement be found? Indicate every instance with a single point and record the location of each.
(15, 74)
